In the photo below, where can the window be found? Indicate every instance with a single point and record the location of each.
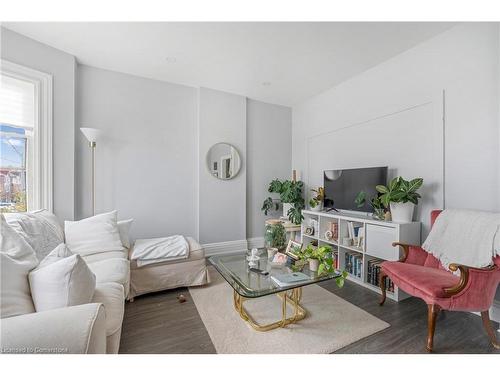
(25, 139)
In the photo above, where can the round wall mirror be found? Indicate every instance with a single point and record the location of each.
(223, 161)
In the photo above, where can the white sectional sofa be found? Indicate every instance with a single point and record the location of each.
(89, 328)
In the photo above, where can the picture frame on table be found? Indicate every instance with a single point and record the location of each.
(293, 249)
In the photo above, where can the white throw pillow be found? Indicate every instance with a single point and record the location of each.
(124, 229)
(40, 229)
(96, 234)
(17, 258)
(62, 279)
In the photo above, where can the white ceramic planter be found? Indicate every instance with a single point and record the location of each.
(402, 212)
(313, 265)
(318, 207)
(286, 207)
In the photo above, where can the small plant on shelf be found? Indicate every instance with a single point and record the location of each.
(275, 235)
(375, 202)
(321, 260)
(290, 192)
(317, 200)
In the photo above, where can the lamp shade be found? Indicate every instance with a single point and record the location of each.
(92, 134)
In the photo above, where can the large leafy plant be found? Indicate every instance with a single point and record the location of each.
(400, 190)
(290, 192)
(326, 263)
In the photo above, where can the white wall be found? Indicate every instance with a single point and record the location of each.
(462, 61)
(30, 53)
(269, 155)
(147, 160)
(222, 203)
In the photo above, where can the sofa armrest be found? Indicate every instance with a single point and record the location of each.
(76, 329)
(470, 275)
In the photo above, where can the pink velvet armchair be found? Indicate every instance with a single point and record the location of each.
(421, 275)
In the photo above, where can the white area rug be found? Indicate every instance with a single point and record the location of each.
(331, 322)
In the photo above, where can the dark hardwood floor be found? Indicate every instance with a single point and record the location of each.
(158, 323)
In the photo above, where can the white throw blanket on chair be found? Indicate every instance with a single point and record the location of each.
(467, 237)
(157, 250)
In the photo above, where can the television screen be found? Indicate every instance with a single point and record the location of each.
(343, 185)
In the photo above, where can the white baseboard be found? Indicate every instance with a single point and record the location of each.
(228, 247)
(257, 242)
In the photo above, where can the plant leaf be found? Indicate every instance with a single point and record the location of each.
(382, 189)
(415, 184)
(339, 281)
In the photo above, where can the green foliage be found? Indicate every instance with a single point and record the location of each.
(275, 235)
(269, 204)
(319, 195)
(290, 192)
(400, 191)
(375, 202)
(313, 203)
(326, 263)
(360, 199)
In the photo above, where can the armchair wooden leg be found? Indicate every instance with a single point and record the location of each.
(381, 283)
(432, 314)
(485, 315)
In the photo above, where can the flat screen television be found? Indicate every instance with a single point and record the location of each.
(343, 185)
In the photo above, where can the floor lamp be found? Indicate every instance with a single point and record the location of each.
(92, 136)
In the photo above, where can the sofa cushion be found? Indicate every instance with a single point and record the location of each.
(196, 252)
(427, 280)
(93, 235)
(112, 270)
(124, 229)
(111, 296)
(17, 259)
(92, 258)
(61, 280)
(40, 229)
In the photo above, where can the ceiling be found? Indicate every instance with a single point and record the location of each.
(275, 62)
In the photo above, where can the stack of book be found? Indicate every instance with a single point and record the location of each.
(353, 263)
(335, 257)
(373, 275)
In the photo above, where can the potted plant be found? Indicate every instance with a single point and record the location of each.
(290, 196)
(401, 196)
(275, 235)
(375, 202)
(321, 261)
(316, 202)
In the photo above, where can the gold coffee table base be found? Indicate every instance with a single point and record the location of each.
(293, 297)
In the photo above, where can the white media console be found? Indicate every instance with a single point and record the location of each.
(376, 243)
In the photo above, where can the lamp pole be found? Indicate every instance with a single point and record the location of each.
(92, 147)
(92, 135)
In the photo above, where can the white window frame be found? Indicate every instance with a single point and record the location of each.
(41, 170)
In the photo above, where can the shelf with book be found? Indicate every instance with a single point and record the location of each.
(372, 273)
(352, 248)
(374, 237)
(328, 229)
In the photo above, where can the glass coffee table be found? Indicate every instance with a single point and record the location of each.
(247, 284)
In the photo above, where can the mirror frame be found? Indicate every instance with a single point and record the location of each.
(207, 161)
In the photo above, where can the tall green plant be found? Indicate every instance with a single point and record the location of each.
(290, 192)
